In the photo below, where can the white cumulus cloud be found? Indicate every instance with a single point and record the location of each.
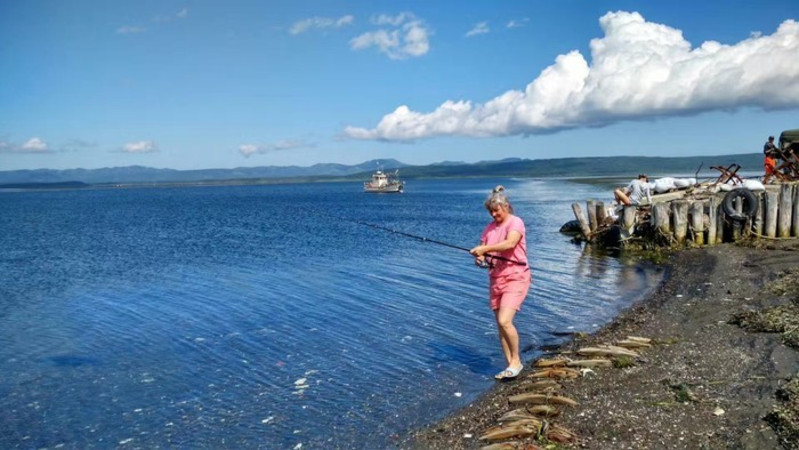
(35, 145)
(479, 28)
(320, 23)
(639, 70)
(407, 37)
(140, 147)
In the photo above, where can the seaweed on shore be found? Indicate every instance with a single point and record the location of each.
(779, 319)
(785, 417)
(786, 284)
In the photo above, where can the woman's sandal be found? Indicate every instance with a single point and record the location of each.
(509, 373)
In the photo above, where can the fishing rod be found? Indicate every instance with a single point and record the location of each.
(433, 241)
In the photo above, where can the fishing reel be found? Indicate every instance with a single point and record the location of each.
(485, 264)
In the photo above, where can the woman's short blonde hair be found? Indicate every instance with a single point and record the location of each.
(497, 198)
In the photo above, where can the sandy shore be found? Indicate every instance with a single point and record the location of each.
(707, 382)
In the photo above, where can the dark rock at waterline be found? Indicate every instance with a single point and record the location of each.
(571, 227)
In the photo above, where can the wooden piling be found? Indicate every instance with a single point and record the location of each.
(680, 213)
(738, 225)
(770, 222)
(697, 213)
(757, 225)
(660, 218)
(712, 222)
(578, 214)
(628, 216)
(785, 211)
(591, 207)
(720, 220)
(601, 214)
(795, 221)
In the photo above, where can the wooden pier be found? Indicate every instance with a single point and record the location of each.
(695, 216)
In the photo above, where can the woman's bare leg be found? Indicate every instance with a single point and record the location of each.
(621, 197)
(508, 336)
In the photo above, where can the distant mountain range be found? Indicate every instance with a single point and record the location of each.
(139, 174)
(516, 167)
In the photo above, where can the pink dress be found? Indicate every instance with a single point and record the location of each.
(509, 282)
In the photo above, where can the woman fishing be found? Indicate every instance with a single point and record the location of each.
(509, 277)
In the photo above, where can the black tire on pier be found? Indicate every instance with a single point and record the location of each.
(750, 204)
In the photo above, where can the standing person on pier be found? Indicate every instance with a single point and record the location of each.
(769, 146)
(509, 281)
(634, 192)
(770, 160)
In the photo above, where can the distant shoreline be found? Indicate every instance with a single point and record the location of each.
(566, 168)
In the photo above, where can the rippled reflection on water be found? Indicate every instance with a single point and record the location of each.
(231, 317)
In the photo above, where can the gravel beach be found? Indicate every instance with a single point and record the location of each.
(718, 373)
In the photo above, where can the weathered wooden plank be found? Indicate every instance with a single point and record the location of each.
(757, 224)
(628, 216)
(795, 214)
(660, 218)
(667, 197)
(697, 214)
(679, 209)
(713, 205)
(771, 205)
(591, 207)
(578, 214)
(785, 211)
(601, 213)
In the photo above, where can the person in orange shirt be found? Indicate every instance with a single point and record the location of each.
(770, 161)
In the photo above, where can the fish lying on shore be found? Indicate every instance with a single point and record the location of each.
(543, 410)
(541, 399)
(511, 446)
(550, 362)
(541, 384)
(530, 412)
(557, 433)
(631, 343)
(607, 350)
(541, 387)
(560, 373)
(516, 414)
(590, 363)
(521, 428)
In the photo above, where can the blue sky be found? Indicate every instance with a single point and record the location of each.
(209, 84)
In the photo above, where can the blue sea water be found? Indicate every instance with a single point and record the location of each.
(264, 317)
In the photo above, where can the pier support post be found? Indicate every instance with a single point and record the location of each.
(711, 225)
(578, 214)
(795, 214)
(697, 212)
(771, 205)
(628, 217)
(757, 226)
(785, 211)
(737, 225)
(601, 214)
(660, 218)
(720, 222)
(591, 206)
(680, 212)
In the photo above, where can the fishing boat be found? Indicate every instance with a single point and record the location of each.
(383, 182)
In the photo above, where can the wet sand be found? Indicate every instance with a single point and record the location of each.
(705, 383)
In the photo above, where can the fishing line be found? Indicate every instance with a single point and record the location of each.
(433, 241)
